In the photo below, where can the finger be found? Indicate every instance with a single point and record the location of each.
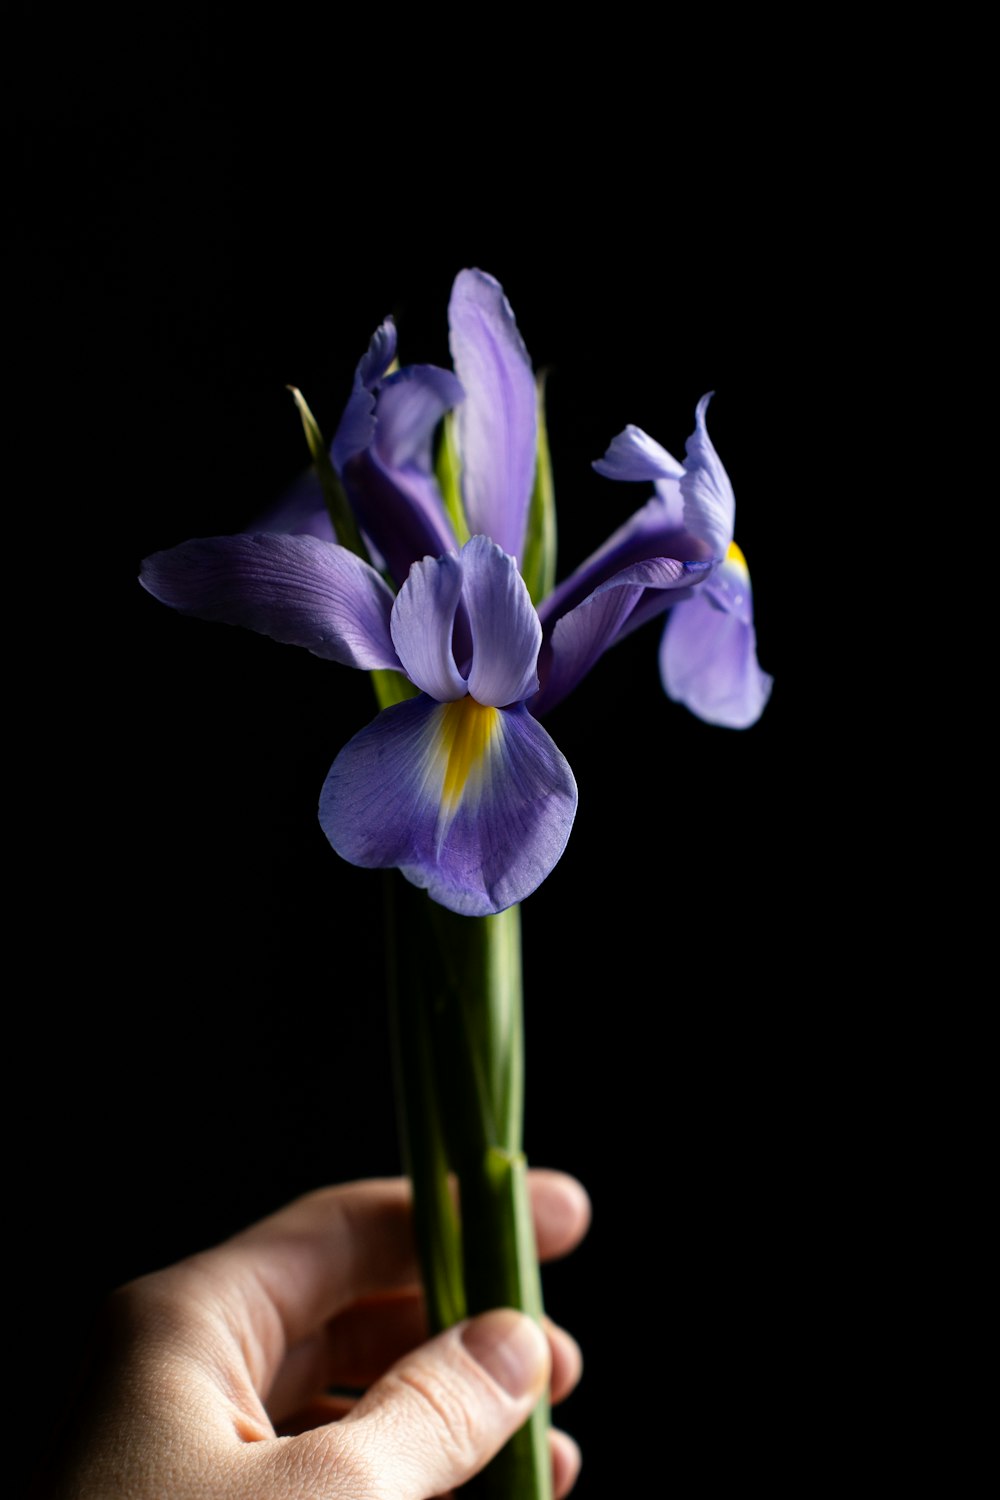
(302, 1266)
(359, 1345)
(441, 1412)
(561, 1210)
(565, 1463)
(567, 1360)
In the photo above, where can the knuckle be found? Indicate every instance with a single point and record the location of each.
(450, 1418)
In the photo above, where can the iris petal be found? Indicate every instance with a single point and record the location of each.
(709, 502)
(473, 803)
(357, 425)
(295, 589)
(423, 623)
(708, 661)
(506, 633)
(584, 633)
(408, 408)
(634, 455)
(497, 421)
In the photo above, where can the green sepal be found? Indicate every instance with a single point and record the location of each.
(449, 477)
(344, 525)
(391, 687)
(538, 566)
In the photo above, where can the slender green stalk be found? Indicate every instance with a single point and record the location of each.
(460, 1069)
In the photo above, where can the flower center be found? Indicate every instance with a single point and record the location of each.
(467, 728)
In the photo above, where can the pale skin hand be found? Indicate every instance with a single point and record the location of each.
(211, 1376)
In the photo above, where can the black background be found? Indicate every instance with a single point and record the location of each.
(219, 1042)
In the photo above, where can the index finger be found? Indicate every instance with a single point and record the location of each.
(310, 1260)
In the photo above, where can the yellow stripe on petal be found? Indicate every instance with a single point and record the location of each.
(467, 730)
(735, 556)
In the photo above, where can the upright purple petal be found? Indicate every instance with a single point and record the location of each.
(423, 622)
(473, 803)
(408, 407)
(506, 633)
(357, 425)
(293, 588)
(709, 503)
(496, 424)
(400, 512)
(633, 455)
(708, 655)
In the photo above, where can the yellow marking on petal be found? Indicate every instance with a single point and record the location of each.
(467, 728)
(735, 556)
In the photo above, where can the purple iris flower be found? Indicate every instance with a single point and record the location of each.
(459, 787)
(708, 654)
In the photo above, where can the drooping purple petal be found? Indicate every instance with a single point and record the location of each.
(293, 588)
(709, 502)
(708, 655)
(357, 425)
(583, 634)
(653, 531)
(423, 621)
(408, 407)
(634, 455)
(473, 803)
(506, 633)
(497, 421)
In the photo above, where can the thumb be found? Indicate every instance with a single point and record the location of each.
(440, 1414)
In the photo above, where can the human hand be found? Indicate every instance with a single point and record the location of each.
(211, 1376)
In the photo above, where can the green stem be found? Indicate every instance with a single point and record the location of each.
(458, 1024)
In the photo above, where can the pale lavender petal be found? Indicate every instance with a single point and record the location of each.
(496, 422)
(708, 662)
(582, 635)
(357, 426)
(408, 407)
(506, 632)
(294, 588)
(423, 620)
(479, 834)
(634, 455)
(709, 503)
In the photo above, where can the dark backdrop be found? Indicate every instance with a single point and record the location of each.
(218, 1040)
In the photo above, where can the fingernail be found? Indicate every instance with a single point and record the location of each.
(511, 1348)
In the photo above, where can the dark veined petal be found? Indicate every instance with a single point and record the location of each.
(382, 450)
(357, 425)
(709, 502)
(496, 422)
(423, 623)
(473, 803)
(708, 655)
(585, 632)
(294, 588)
(408, 407)
(506, 633)
(634, 455)
(400, 512)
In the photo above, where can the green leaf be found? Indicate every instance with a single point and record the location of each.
(391, 687)
(449, 478)
(539, 564)
(344, 524)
